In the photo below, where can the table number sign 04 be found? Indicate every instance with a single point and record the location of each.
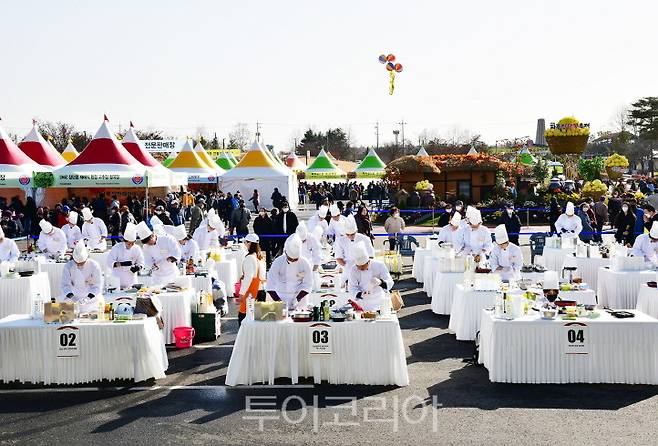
(320, 339)
(67, 341)
(576, 338)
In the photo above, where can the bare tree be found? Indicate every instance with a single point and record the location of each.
(239, 137)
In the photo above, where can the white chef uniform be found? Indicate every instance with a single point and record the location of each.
(189, 250)
(451, 233)
(318, 219)
(287, 278)
(156, 255)
(509, 259)
(72, 230)
(82, 280)
(207, 235)
(121, 253)
(52, 241)
(8, 249)
(645, 247)
(365, 286)
(311, 251)
(336, 225)
(94, 231)
(568, 224)
(475, 241)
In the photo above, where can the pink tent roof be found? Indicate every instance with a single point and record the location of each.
(10, 154)
(105, 149)
(36, 147)
(134, 147)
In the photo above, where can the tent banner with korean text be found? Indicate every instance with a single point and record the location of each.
(163, 145)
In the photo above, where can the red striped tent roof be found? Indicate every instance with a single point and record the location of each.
(10, 154)
(105, 149)
(36, 147)
(133, 145)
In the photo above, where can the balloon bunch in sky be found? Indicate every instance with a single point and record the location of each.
(392, 68)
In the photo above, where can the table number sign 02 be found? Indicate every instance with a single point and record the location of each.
(67, 341)
(576, 338)
(320, 339)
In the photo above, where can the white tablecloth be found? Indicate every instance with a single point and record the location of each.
(54, 271)
(227, 272)
(467, 306)
(199, 283)
(362, 353)
(443, 290)
(430, 266)
(531, 350)
(420, 255)
(647, 301)
(588, 269)
(619, 289)
(17, 295)
(554, 257)
(176, 310)
(130, 350)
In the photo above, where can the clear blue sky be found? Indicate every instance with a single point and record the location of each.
(490, 67)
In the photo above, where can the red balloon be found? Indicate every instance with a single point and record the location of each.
(390, 66)
(390, 58)
(398, 67)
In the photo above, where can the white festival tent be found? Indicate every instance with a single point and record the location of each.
(257, 170)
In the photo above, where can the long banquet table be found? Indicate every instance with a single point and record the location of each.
(363, 352)
(108, 351)
(443, 290)
(619, 289)
(532, 350)
(17, 294)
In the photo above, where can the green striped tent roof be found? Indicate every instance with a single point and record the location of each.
(371, 162)
(322, 165)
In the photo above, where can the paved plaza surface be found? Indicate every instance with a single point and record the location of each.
(449, 401)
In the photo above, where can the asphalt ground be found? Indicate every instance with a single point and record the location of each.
(449, 400)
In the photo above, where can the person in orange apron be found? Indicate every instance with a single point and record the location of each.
(253, 274)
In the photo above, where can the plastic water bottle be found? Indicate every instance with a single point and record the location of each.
(37, 308)
(250, 309)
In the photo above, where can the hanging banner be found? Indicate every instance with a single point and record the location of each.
(162, 145)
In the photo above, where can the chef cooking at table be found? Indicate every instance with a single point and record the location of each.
(450, 233)
(476, 239)
(126, 259)
(569, 225)
(211, 230)
(345, 245)
(646, 245)
(52, 241)
(72, 230)
(189, 248)
(369, 281)
(8, 249)
(82, 280)
(290, 277)
(506, 258)
(94, 231)
(161, 254)
(311, 249)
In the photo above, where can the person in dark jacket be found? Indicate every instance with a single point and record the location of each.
(625, 224)
(285, 223)
(114, 225)
(554, 213)
(586, 234)
(512, 223)
(264, 226)
(363, 223)
(240, 220)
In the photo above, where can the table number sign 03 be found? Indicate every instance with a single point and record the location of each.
(576, 338)
(67, 341)
(320, 339)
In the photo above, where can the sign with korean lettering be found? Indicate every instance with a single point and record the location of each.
(163, 145)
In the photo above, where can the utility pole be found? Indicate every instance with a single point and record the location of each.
(257, 131)
(377, 133)
(402, 123)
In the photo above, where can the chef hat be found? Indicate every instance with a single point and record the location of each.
(360, 255)
(252, 238)
(653, 233)
(333, 209)
(469, 211)
(339, 227)
(570, 209)
(551, 281)
(214, 221)
(475, 217)
(179, 232)
(143, 231)
(86, 214)
(73, 218)
(80, 252)
(501, 234)
(130, 234)
(155, 222)
(456, 219)
(302, 231)
(350, 225)
(317, 232)
(211, 212)
(293, 246)
(46, 227)
(322, 211)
